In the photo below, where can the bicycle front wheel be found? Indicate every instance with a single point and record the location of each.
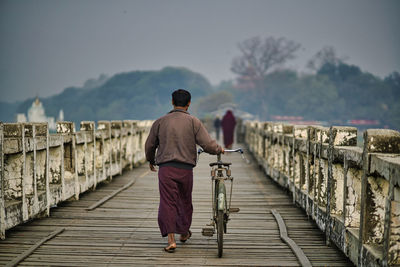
(220, 232)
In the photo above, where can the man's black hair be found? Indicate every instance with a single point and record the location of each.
(181, 97)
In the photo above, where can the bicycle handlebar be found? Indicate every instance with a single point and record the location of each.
(200, 150)
(234, 150)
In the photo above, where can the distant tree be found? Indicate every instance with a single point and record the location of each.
(258, 56)
(92, 83)
(327, 55)
(393, 80)
(225, 85)
(339, 73)
(277, 87)
(130, 95)
(314, 97)
(211, 102)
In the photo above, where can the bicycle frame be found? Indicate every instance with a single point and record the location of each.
(218, 189)
(220, 172)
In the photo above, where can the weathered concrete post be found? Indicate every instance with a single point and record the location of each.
(307, 179)
(338, 136)
(66, 130)
(48, 199)
(106, 126)
(135, 142)
(24, 176)
(102, 148)
(39, 132)
(299, 137)
(129, 146)
(353, 195)
(38, 170)
(376, 211)
(116, 127)
(87, 128)
(328, 186)
(263, 142)
(292, 165)
(2, 183)
(268, 146)
(391, 247)
(287, 131)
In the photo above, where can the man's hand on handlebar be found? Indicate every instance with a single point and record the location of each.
(152, 167)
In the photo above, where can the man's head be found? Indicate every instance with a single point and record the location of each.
(181, 98)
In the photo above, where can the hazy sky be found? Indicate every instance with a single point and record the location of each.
(47, 46)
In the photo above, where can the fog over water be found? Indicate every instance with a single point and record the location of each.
(47, 46)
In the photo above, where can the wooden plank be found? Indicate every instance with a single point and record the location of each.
(283, 233)
(113, 194)
(33, 248)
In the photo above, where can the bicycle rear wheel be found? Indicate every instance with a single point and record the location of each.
(220, 232)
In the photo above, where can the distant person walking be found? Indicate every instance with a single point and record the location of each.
(174, 137)
(217, 126)
(228, 126)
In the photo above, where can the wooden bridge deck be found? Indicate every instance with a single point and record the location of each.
(124, 230)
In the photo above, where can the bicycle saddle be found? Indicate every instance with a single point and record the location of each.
(220, 163)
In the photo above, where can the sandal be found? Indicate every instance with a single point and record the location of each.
(184, 239)
(170, 248)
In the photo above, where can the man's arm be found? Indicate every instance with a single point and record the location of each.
(204, 140)
(151, 146)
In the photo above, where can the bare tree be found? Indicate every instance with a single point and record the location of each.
(326, 55)
(260, 56)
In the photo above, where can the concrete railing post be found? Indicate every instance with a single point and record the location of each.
(307, 180)
(48, 199)
(130, 146)
(135, 133)
(377, 199)
(38, 170)
(66, 136)
(300, 133)
(2, 183)
(352, 194)
(116, 127)
(105, 126)
(88, 130)
(335, 199)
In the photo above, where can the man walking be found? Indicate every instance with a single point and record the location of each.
(217, 126)
(228, 127)
(175, 136)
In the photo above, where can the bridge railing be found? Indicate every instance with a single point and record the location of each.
(40, 170)
(352, 193)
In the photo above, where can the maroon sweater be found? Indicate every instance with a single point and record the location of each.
(175, 136)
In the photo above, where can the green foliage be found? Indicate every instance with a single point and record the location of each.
(364, 95)
(211, 102)
(336, 93)
(315, 98)
(132, 95)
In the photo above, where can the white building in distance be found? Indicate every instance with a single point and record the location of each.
(36, 113)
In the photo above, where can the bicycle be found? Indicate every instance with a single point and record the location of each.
(220, 172)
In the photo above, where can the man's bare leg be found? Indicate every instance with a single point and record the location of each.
(171, 239)
(184, 238)
(171, 243)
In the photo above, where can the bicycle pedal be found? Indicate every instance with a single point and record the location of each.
(234, 210)
(207, 231)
